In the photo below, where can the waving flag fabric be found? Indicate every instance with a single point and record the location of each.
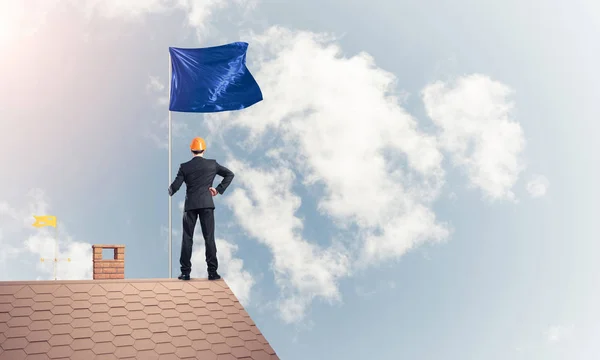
(46, 220)
(212, 79)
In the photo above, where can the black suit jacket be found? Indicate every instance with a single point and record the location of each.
(198, 175)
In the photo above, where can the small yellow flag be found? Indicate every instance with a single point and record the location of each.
(47, 220)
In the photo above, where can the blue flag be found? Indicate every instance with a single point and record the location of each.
(212, 79)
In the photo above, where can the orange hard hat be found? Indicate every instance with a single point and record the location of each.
(198, 144)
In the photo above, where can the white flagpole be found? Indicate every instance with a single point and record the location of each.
(55, 248)
(170, 177)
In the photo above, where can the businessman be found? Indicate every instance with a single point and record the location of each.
(198, 175)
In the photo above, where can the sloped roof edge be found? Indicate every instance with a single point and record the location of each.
(126, 319)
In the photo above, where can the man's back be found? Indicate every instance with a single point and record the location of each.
(199, 174)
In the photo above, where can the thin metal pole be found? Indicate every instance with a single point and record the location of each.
(55, 249)
(170, 202)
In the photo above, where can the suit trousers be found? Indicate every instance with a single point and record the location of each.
(207, 222)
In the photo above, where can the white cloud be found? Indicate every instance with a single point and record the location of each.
(130, 9)
(19, 18)
(29, 244)
(558, 333)
(80, 265)
(264, 205)
(8, 211)
(373, 288)
(199, 13)
(154, 84)
(157, 88)
(538, 186)
(338, 122)
(476, 127)
(231, 268)
(158, 131)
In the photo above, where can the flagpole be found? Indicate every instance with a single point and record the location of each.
(55, 248)
(170, 199)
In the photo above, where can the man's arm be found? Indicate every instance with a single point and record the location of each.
(177, 183)
(227, 178)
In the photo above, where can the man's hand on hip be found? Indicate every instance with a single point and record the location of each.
(213, 191)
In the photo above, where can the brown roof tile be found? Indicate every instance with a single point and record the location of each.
(17, 354)
(119, 319)
(226, 357)
(60, 352)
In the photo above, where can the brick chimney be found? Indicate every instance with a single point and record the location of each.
(109, 268)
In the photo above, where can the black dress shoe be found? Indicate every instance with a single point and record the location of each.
(184, 277)
(214, 276)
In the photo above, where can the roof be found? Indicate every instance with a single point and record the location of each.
(126, 319)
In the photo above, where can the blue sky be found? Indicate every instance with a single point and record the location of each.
(420, 181)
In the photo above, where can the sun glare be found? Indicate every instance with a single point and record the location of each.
(11, 14)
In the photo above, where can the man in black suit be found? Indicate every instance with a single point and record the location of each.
(198, 175)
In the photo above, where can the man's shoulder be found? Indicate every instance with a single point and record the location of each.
(197, 160)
